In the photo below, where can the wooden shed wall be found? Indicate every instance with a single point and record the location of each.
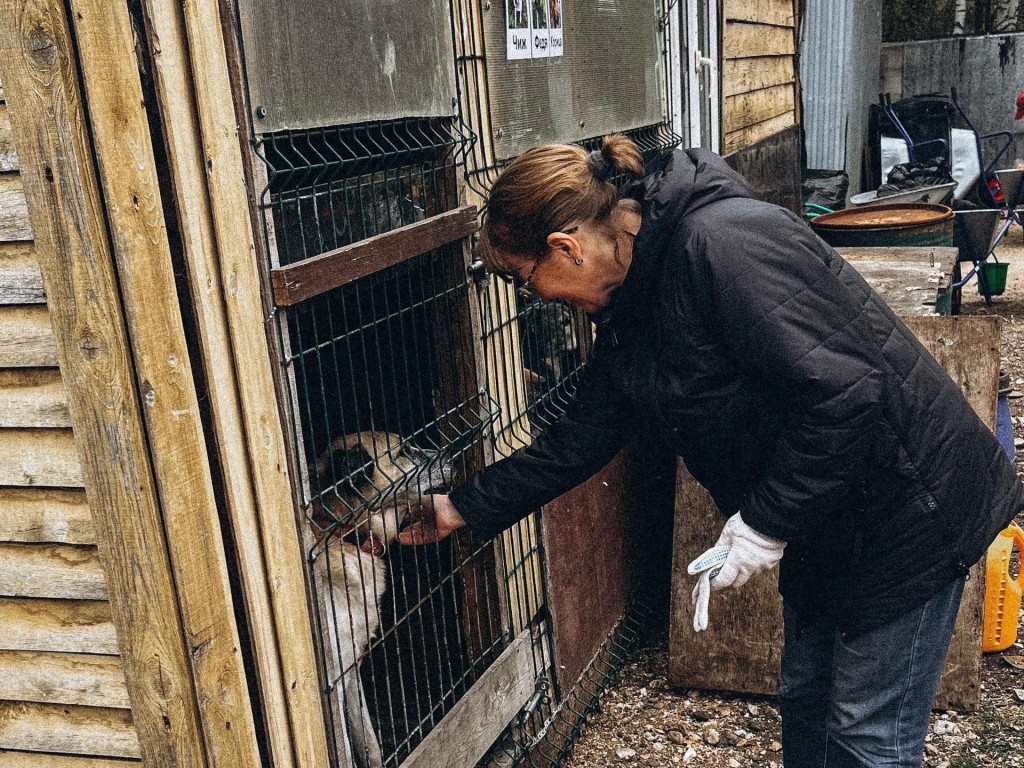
(62, 682)
(759, 71)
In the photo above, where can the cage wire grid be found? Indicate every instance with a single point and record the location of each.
(376, 372)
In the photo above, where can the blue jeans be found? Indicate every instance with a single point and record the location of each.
(864, 701)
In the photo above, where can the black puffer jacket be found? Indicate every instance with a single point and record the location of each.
(792, 393)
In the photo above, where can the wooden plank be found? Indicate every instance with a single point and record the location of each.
(83, 679)
(41, 760)
(45, 515)
(20, 279)
(8, 157)
(62, 571)
(743, 651)
(33, 397)
(26, 337)
(908, 289)
(39, 457)
(747, 109)
(473, 725)
(746, 75)
(97, 731)
(942, 257)
(750, 135)
(248, 417)
(311, 277)
(52, 134)
(106, 42)
(59, 626)
(779, 12)
(14, 220)
(743, 40)
(968, 348)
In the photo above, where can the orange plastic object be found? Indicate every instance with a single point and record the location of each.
(1002, 594)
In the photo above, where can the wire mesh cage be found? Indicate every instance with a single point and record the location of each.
(403, 376)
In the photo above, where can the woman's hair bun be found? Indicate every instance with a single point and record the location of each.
(599, 165)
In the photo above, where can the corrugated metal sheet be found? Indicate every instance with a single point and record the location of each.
(839, 75)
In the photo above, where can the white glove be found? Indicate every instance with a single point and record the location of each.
(739, 553)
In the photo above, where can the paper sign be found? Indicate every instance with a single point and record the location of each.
(517, 16)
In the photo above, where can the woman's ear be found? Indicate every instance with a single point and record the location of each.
(561, 244)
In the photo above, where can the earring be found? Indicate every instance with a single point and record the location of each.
(579, 262)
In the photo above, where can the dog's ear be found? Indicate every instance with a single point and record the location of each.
(350, 468)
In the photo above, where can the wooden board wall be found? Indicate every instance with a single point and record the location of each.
(62, 680)
(759, 71)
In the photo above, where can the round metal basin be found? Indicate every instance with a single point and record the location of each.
(872, 226)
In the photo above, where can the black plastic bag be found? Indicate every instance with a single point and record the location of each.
(905, 177)
(826, 188)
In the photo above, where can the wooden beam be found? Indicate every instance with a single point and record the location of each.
(120, 128)
(197, 82)
(60, 571)
(42, 760)
(476, 721)
(42, 515)
(39, 457)
(33, 397)
(83, 679)
(60, 626)
(26, 337)
(14, 221)
(52, 135)
(71, 730)
(312, 277)
(743, 40)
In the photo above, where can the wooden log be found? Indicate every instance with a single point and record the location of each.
(42, 760)
(746, 75)
(747, 109)
(62, 571)
(778, 12)
(33, 397)
(53, 134)
(42, 515)
(750, 135)
(744, 40)
(743, 651)
(26, 337)
(312, 277)
(8, 157)
(97, 731)
(247, 412)
(106, 41)
(20, 279)
(82, 679)
(59, 626)
(14, 220)
(39, 457)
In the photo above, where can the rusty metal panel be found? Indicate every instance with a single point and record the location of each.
(610, 77)
(587, 544)
(321, 62)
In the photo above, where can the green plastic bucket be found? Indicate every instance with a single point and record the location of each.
(993, 276)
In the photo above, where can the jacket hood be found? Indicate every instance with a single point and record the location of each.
(676, 184)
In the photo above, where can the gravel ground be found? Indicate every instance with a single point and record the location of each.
(643, 721)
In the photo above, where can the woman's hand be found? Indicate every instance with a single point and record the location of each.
(434, 518)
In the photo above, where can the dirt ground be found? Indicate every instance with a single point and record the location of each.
(643, 721)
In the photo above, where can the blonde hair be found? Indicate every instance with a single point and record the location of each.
(545, 190)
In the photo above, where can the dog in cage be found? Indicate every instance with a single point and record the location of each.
(550, 345)
(370, 478)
